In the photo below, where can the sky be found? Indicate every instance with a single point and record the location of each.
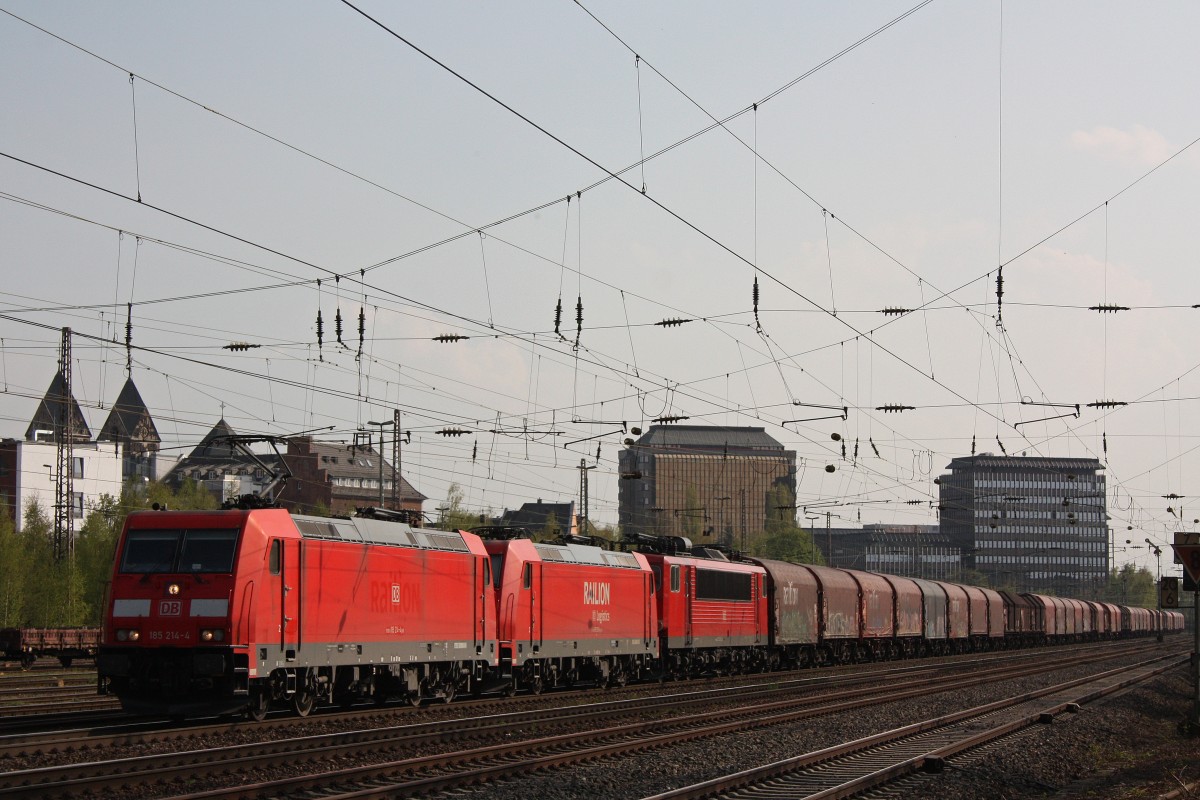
(232, 170)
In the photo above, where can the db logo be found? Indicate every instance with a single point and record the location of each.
(170, 608)
(396, 593)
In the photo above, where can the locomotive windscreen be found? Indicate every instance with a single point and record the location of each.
(715, 585)
(175, 550)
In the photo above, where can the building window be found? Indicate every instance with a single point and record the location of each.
(77, 505)
(77, 467)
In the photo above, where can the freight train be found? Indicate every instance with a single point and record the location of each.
(219, 612)
(66, 644)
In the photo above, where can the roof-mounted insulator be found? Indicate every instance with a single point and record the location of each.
(671, 323)
(239, 346)
(1108, 309)
(894, 408)
(1107, 404)
(895, 312)
(757, 323)
(451, 432)
(578, 319)
(1000, 295)
(449, 337)
(670, 420)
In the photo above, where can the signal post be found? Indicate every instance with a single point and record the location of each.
(1187, 550)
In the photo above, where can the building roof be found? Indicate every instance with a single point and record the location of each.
(990, 461)
(50, 410)
(535, 515)
(348, 461)
(129, 419)
(216, 447)
(217, 454)
(710, 438)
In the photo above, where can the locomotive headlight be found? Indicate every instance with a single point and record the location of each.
(212, 635)
(133, 636)
(173, 589)
(206, 636)
(122, 635)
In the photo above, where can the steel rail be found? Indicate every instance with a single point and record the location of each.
(99, 775)
(907, 749)
(399, 778)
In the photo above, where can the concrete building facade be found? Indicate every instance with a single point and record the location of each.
(708, 483)
(1030, 523)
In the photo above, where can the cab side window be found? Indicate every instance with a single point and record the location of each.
(527, 576)
(275, 562)
(674, 577)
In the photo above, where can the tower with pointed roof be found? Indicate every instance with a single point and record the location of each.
(49, 412)
(132, 428)
(30, 471)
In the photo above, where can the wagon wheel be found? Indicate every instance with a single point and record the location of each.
(259, 703)
(27, 660)
(65, 661)
(303, 701)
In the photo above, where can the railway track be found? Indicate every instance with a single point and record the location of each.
(854, 767)
(530, 739)
(49, 695)
(81, 732)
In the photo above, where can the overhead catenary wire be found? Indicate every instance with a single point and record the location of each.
(774, 361)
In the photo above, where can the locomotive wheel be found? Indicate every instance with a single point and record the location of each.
(535, 684)
(303, 701)
(259, 703)
(414, 699)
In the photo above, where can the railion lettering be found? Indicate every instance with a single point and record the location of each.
(596, 593)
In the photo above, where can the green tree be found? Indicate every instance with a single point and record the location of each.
(48, 590)
(783, 538)
(95, 549)
(190, 496)
(14, 569)
(551, 530)
(1132, 586)
(455, 515)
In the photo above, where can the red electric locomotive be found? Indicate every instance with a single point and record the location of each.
(572, 613)
(713, 613)
(214, 612)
